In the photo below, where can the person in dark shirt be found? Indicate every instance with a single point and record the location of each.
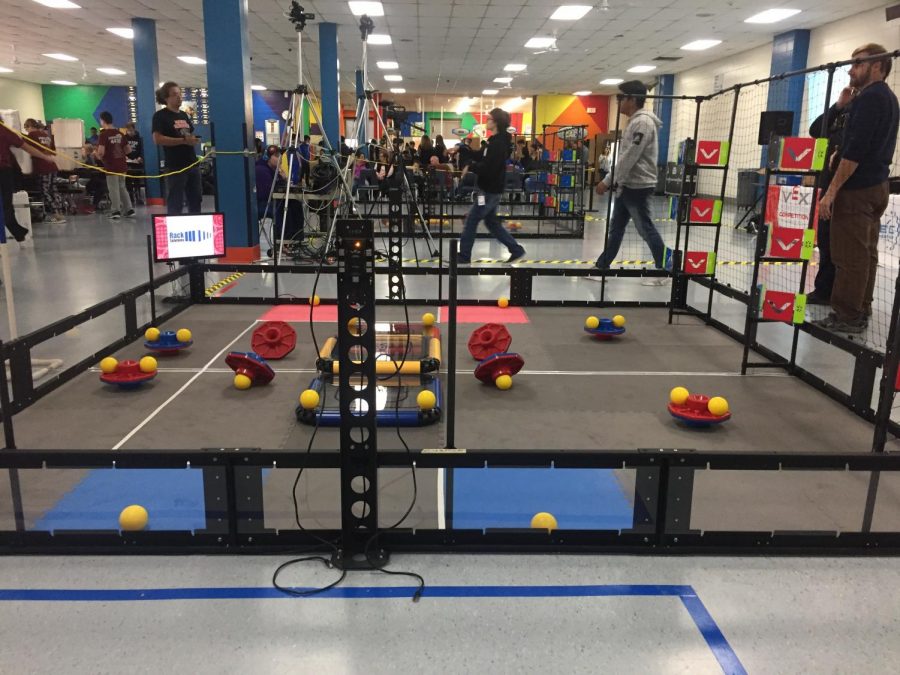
(491, 172)
(94, 138)
(303, 158)
(134, 147)
(858, 194)
(173, 130)
(834, 132)
(10, 139)
(45, 171)
(112, 152)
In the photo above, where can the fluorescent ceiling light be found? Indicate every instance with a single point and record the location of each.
(641, 69)
(393, 78)
(111, 71)
(612, 80)
(5, 70)
(388, 65)
(398, 90)
(193, 60)
(540, 43)
(570, 12)
(61, 57)
(65, 83)
(371, 8)
(700, 45)
(503, 80)
(490, 92)
(582, 93)
(58, 4)
(514, 67)
(378, 39)
(772, 16)
(257, 87)
(127, 33)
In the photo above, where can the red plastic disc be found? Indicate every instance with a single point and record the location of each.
(695, 412)
(505, 363)
(489, 339)
(274, 340)
(249, 364)
(127, 374)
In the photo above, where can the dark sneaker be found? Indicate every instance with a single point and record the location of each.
(115, 215)
(515, 257)
(463, 261)
(21, 234)
(835, 325)
(816, 298)
(130, 214)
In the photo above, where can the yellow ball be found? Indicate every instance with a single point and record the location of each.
(426, 400)
(242, 382)
(591, 322)
(148, 364)
(309, 399)
(503, 302)
(428, 319)
(503, 382)
(679, 395)
(133, 518)
(544, 521)
(108, 365)
(151, 334)
(717, 405)
(618, 321)
(183, 335)
(315, 300)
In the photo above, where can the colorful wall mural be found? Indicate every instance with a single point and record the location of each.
(86, 103)
(591, 111)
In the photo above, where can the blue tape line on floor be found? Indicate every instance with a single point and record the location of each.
(710, 631)
(580, 499)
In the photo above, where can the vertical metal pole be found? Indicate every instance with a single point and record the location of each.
(612, 183)
(152, 278)
(451, 347)
(15, 487)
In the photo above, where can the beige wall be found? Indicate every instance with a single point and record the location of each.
(26, 97)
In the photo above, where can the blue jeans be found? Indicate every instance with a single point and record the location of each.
(181, 185)
(632, 204)
(487, 213)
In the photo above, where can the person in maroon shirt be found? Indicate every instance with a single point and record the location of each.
(113, 152)
(10, 139)
(45, 171)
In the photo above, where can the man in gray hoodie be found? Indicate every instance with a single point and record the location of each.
(635, 175)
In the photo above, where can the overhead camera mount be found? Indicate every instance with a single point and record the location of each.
(298, 16)
(366, 26)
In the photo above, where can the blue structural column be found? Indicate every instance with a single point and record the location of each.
(789, 52)
(662, 108)
(146, 71)
(231, 115)
(330, 83)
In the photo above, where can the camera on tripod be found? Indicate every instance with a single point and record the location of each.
(299, 16)
(366, 26)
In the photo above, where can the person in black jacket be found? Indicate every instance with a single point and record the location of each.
(834, 133)
(491, 172)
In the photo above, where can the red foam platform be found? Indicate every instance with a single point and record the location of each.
(297, 313)
(486, 315)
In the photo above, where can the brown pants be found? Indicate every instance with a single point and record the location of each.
(855, 225)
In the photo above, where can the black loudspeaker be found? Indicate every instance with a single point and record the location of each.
(775, 122)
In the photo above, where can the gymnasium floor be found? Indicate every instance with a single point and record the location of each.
(533, 613)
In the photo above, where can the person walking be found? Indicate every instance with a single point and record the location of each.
(10, 139)
(45, 171)
(112, 150)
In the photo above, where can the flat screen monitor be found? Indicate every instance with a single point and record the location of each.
(200, 235)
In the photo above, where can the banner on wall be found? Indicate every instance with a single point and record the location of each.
(789, 205)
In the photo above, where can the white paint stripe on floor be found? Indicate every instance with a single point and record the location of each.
(183, 387)
(441, 515)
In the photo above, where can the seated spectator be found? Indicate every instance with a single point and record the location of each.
(96, 182)
(440, 150)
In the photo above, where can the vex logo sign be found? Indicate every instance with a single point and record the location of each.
(802, 154)
(712, 153)
(705, 211)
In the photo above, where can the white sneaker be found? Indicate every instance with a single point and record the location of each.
(655, 281)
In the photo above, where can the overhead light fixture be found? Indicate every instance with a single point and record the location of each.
(398, 90)
(503, 80)
(570, 12)
(700, 45)
(6, 70)
(582, 93)
(193, 60)
(612, 80)
(111, 71)
(393, 78)
(490, 92)
(64, 83)
(370, 8)
(641, 69)
(60, 57)
(388, 65)
(514, 67)
(58, 4)
(540, 43)
(257, 87)
(772, 16)
(127, 33)
(378, 39)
